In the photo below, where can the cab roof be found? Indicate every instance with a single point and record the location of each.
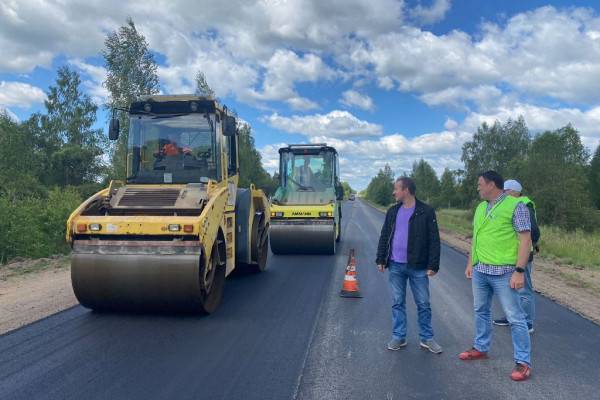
(172, 104)
(307, 148)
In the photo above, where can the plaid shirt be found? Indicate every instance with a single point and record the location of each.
(521, 223)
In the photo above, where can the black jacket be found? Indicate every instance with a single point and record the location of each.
(423, 237)
(535, 230)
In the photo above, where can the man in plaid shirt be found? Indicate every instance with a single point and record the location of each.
(496, 265)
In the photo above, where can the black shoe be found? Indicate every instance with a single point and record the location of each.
(530, 328)
(501, 322)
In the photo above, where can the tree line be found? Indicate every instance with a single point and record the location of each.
(554, 168)
(55, 159)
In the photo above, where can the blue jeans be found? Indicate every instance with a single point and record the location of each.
(419, 285)
(484, 287)
(526, 295)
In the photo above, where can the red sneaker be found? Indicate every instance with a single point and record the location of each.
(472, 354)
(520, 372)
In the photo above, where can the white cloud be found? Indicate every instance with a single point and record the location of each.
(334, 124)
(430, 15)
(544, 52)
(419, 61)
(385, 82)
(285, 68)
(270, 156)
(548, 52)
(456, 96)
(543, 118)
(32, 33)
(352, 98)
(225, 75)
(438, 143)
(18, 94)
(301, 103)
(238, 42)
(96, 75)
(450, 124)
(233, 42)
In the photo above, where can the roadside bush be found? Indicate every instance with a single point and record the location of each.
(35, 226)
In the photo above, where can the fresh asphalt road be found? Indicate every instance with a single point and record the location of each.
(286, 334)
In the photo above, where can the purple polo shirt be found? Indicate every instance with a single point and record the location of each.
(400, 239)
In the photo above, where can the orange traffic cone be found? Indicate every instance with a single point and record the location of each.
(350, 286)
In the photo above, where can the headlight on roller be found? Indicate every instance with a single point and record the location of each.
(174, 228)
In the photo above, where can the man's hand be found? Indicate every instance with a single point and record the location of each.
(517, 280)
(381, 267)
(469, 271)
(431, 272)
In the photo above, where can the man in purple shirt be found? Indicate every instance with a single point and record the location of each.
(409, 246)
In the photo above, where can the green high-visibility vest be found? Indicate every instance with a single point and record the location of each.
(527, 201)
(495, 241)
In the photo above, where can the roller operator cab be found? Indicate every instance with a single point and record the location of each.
(167, 236)
(306, 211)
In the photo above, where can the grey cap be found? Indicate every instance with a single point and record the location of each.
(512, 184)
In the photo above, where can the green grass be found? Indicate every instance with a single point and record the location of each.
(577, 248)
(457, 221)
(377, 206)
(29, 266)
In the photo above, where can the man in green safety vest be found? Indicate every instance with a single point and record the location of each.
(514, 188)
(500, 250)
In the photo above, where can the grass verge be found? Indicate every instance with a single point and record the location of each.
(579, 249)
(20, 267)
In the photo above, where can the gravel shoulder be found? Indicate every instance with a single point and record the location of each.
(575, 288)
(34, 289)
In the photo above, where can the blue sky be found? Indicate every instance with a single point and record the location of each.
(385, 81)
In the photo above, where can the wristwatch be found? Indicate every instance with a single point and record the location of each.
(520, 269)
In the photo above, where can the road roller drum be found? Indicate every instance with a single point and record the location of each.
(303, 237)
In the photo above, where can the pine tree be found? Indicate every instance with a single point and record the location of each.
(202, 86)
(73, 147)
(131, 73)
(251, 168)
(594, 178)
(448, 190)
(381, 187)
(428, 185)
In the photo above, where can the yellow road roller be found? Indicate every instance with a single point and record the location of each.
(306, 212)
(167, 236)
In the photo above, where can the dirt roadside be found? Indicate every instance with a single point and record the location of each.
(34, 289)
(575, 288)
